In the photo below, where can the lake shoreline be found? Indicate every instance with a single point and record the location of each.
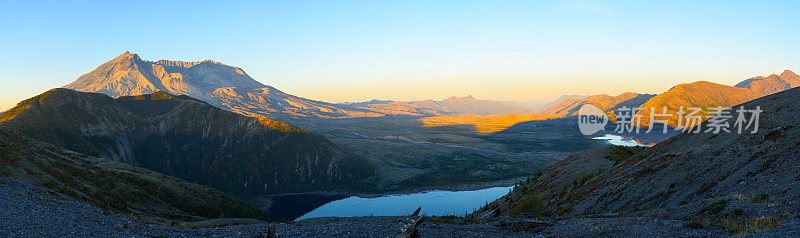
(450, 188)
(299, 204)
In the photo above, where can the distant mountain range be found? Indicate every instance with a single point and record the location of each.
(189, 139)
(567, 107)
(559, 100)
(366, 103)
(570, 107)
(451, 105)
(230, 88)
(533, 105)
(699, 94)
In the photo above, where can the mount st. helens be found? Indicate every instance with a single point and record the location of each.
(189, 139)
(218, 84)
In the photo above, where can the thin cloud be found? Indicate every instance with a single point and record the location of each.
(590, 6)
(494, 53)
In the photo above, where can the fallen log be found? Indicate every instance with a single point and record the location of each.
(416, 213)
(410, 230)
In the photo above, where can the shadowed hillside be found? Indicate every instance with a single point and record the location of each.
(186, 138)
(113, 185)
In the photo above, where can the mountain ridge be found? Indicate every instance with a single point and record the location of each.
(701, 94)
(771, 84)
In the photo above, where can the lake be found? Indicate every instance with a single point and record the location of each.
(437, 203)
(618, 140)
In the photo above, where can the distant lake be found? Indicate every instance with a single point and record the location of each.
(438, 203)
(619, 140)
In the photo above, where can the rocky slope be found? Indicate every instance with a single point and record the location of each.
(743, 182)
(30, 211)
(189, 139)
(112, 185)
(223, 86)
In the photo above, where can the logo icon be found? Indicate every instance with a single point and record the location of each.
(591, 119)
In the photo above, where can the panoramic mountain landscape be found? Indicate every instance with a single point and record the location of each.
(562, 118)
(396, 127)
(137, 118)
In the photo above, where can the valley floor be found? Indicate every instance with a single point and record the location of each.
(30, 211)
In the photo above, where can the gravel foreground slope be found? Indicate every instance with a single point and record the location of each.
(30, 211)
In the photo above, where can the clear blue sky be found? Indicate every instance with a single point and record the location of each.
(359, 50)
